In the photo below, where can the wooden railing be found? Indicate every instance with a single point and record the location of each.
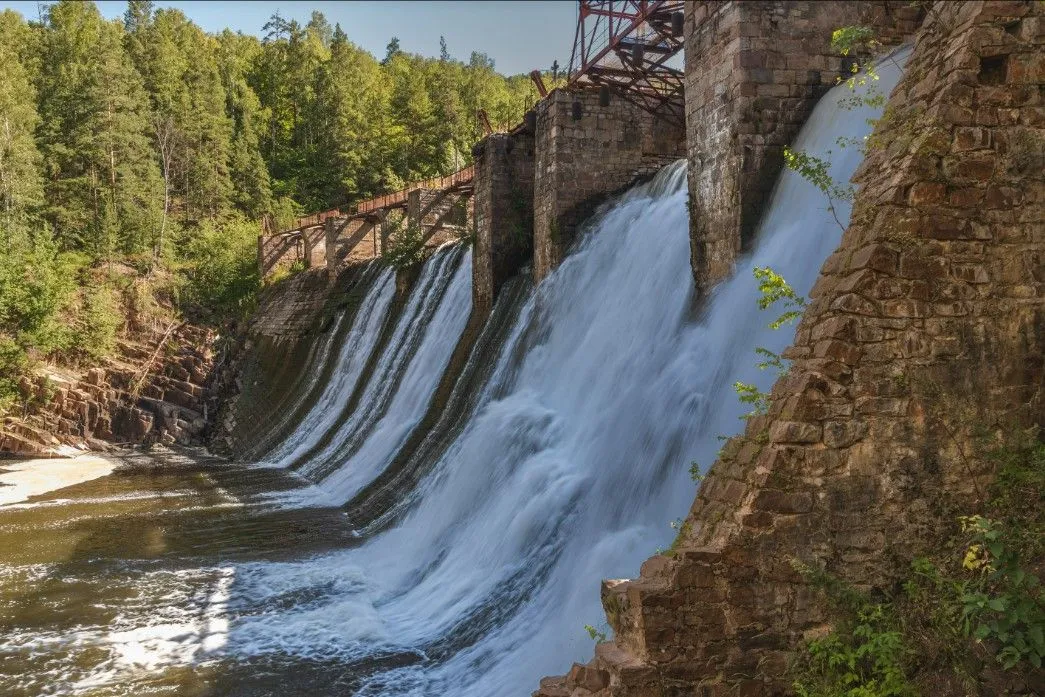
(398, 198)
(315, 219)
(392, 200)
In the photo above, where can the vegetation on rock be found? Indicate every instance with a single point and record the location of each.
(970, 614)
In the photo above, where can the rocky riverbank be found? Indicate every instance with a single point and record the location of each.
(156, 388)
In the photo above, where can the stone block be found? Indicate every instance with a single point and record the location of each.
(787, 502)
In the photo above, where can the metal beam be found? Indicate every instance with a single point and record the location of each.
(626, 44)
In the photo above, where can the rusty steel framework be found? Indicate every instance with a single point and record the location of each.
(625, 46)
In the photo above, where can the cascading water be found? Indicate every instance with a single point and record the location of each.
(351, 360)
(570, 462)
(407, 377)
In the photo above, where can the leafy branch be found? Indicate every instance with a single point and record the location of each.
(816, 171)
(406, 246)
(773, 289)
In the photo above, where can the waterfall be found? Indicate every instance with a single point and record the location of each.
(562, 457)
(350, 361)
(406, 375)
(576, 457)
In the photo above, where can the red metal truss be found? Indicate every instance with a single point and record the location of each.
(626, 45)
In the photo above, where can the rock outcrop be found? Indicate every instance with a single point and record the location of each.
(155, 389)
(927, 322)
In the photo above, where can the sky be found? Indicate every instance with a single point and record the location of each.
(520, 35)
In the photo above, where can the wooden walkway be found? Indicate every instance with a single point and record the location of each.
(460, 179)
(307, 241)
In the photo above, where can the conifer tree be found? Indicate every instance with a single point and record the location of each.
(102, 182)
(251, 190)
(21, 188)
(191, 130)
(351, 96)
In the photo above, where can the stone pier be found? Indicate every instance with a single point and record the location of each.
(754, 72)
(313, 240)
(503, 214)
(580, 163)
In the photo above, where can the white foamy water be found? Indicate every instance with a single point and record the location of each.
(350, 361)
(409, 371)
(27, 478)
(570, 470)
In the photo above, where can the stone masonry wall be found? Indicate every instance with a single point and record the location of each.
(503, 214)
(289, 309)
(273, 354)
(581, 163)
(754, 72)
(927, 321)
(314, 243)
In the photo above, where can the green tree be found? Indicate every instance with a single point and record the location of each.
(351, 96)
(414, 130)
(191, 130)
(391, 50)
(21, 188)
(285, 78)
(251, 190)
(102, 182)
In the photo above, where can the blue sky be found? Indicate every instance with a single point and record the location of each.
(519, 35)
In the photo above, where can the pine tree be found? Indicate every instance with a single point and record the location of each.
(190, 128)
(414, 120)
(319, 27)
(103, 187)
(351, 96)
(391, 50)
(21, 188)
(251, 190)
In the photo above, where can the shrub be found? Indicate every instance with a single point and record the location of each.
(99, 320)
(406, 247)
(865, 656)
(1002, 603)
(219, 269)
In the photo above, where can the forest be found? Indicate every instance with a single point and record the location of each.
(139, 157)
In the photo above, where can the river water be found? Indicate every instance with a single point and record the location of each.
(370, 547)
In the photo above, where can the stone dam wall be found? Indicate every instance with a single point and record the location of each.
(582, 162)
(928, 321)
(292, 319)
